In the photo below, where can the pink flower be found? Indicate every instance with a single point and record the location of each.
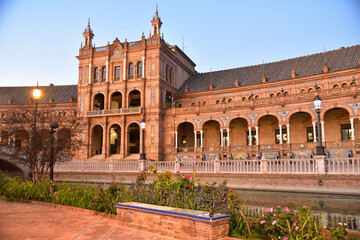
(189, 186)
(51, 189)
(345, 224)
(53, 184)
(294, 224)
(169, 175)
(340, 224)
(177, 172)
(280, 214)
(262, 221)
(297, 228)
(285, 238)
(278, 206)
(186, 176)
(274, 222)
(287, 209)
(269, 210)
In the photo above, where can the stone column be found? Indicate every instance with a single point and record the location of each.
(288, 132)
(195, 139)
(143, 69)
(221, 138)
(257, 135)
(201, 139)
(314, 129)
(124, 75)
(250, 137)
(176, 139)
(280, 129)
(89, 73)
(107, 71)
(320, 164)
(323, 131)
(228, 135)
(352, 129)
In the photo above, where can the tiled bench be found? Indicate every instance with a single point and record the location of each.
(173, 222)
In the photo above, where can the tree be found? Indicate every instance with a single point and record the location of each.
(38, 146)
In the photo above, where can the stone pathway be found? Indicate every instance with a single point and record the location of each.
(28, 221)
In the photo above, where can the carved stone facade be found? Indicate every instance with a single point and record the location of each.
(232, 114)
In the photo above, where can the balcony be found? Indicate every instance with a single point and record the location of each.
(114, 112)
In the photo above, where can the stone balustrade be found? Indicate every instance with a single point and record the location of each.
(318, 165)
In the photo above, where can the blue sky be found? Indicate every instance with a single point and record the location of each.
(40, 39)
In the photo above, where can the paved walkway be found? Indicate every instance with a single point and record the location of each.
(20, 221)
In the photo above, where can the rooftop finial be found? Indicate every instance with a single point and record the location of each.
(89, 21)
(156, 8)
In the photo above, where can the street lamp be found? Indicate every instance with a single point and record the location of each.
(317, 104)
(142, 154)
(53, 127)
(36, 94)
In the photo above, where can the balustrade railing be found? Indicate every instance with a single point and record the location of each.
(120, 111)
(264, 166)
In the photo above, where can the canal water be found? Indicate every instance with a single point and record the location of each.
(334, 208)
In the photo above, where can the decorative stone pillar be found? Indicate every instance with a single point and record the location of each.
(195, 139)
(176, 139)
(90, 73)
(107, 71)
(352, 129)
(257, 135)
(250, 137)
(323, 131)
(314, 130)
(201, 139)
(124, 75)
(288, 132)
(228, 135)
(221, 138)
(281, 136)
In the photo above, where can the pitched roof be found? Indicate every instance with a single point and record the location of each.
(336, 60)
(23, 95)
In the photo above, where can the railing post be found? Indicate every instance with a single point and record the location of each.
(217, 164)
(177, 164)
(264, 165)
(111, 166)
(83, 165)
(320, 161)
(141, 165)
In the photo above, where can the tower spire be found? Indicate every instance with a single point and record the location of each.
(88, 35)
(156, 23)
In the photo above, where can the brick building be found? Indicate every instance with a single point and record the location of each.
(235, 114)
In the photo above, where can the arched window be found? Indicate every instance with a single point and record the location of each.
(204, 103)
(344, 85)
(286, 93)
(257, 97)
(167, 73)
(310, 90)
(244, 99)
(303, 91)
(272, 95)
(139, 70)
(336, 86)
(131, 71)
(278, 94)
(103, 74)
(171, 77)
(96, 75)
(217, 101)
(193, 104)
(180, 105)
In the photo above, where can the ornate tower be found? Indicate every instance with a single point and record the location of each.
(156, 23)
(88, 35)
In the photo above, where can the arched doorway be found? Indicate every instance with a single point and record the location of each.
(301, 128)
(134, 138)
(134, 98)
(239, 132)
(337, 125)
(116, 100)
(99, 100)
(268, 130)
(96, 140)
(185, 136)
(115, 139)
(211, 134)
(4, 137)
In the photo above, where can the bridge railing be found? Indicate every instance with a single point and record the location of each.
(264, 166)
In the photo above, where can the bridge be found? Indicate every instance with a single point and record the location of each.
(10, 162)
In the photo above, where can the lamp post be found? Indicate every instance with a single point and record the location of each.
(36, 94)
(142, 154)
(317, 104)
(52, 130)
